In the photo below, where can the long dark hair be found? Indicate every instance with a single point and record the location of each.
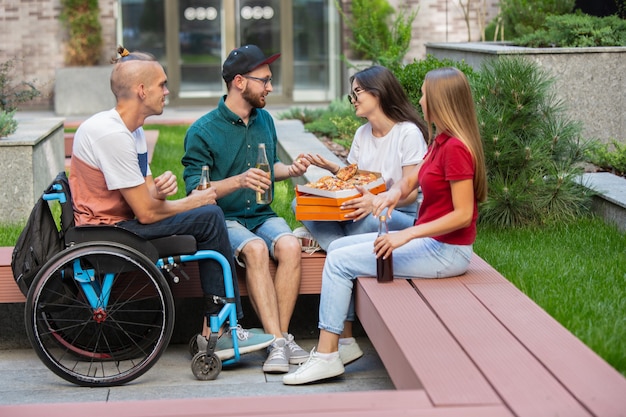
(394, 102)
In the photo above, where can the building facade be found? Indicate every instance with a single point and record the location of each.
(191, 38)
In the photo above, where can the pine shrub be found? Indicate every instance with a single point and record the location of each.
(532, 149)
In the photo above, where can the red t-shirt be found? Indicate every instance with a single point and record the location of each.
(447, 159)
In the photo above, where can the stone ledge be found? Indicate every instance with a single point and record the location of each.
(610, 200)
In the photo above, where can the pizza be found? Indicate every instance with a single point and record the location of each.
(347, 172)
(329, 183)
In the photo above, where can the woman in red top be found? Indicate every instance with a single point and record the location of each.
(453, 181)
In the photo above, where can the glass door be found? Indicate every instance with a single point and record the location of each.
(200, 48)
(259, 23)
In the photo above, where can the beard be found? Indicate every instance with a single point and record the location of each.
(255, 100)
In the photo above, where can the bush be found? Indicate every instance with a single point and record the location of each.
(11, 95)
(378, 35)
(532, 150)
(85, 31)
(577, 30)
(338, 122)
(305, 115)
(411, 76)
(522, 17)
(610, 157)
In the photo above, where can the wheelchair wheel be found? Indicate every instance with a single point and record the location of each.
(205, 367)
(99, 315)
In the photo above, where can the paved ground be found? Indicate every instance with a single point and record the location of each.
(26, 380)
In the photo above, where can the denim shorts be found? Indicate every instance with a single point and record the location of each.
(270, 231)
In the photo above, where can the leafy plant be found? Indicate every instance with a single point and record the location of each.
(337, 122)
(11, 95)
(522, 17)
(577, 30)
(608, 156)
(411, 76)
(85, 31)
(305, 114)
(532, 150)
(378, 35)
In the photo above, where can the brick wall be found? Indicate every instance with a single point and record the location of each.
(32, 34)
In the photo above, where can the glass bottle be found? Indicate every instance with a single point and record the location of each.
(262, 163)
(205, 181)
(384, 267)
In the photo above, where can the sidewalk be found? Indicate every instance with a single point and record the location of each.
(26, 380)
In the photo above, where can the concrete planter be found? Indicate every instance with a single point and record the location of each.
(83, 91)
(29, 160)
(590, 81)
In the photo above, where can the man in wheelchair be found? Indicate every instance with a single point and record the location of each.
(111, 184)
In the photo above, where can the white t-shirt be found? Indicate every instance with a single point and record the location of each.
(106, 157)
(104, 142)
(403, 145)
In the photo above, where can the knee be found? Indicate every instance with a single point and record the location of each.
(288, 246)
(255, 251)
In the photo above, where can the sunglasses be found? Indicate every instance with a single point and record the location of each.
(354, 95)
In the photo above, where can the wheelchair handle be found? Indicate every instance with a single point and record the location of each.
(55, 196)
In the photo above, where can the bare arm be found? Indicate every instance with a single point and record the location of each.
(150, 209)
(459, 217)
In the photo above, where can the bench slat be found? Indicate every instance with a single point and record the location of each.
(311, 282)
(9, 292)
(526, 386)
(415, 348)
(346, 404)
(585, 374)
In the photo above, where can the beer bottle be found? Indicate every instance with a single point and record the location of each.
(263, 196)
(205, 181)
(384, 267)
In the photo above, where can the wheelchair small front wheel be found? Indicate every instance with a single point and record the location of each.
(205, 367)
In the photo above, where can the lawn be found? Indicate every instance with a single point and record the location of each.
(576, 272)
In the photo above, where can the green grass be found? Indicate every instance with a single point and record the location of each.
(576, 272)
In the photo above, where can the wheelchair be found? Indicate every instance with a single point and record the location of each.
(100, 312)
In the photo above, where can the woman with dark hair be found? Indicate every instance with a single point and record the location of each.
(453, 181)
(391, 142)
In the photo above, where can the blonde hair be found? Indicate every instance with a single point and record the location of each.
(450, 107)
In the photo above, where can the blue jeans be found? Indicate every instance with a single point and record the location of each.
(325, 232)
(270, 231)
(208, 226)
(351, 257)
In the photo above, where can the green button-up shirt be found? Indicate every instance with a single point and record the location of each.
(221, 140)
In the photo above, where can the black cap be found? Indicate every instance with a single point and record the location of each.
(245, 59)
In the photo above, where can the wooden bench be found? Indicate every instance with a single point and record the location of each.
(472, 345)
(311, 283)
(477, 340)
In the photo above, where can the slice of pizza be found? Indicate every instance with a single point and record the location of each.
(347, 172)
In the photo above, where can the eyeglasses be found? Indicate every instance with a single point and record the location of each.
(265, 81)
(354, 95)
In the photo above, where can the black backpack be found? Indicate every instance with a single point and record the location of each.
(41, 239)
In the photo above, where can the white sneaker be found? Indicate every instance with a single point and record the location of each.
(315, 369)
(349, 350)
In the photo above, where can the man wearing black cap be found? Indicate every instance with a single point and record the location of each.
(226, 139)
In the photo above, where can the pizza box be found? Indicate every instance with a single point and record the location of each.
(342, 193)
(321, 213)
(314, 207)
